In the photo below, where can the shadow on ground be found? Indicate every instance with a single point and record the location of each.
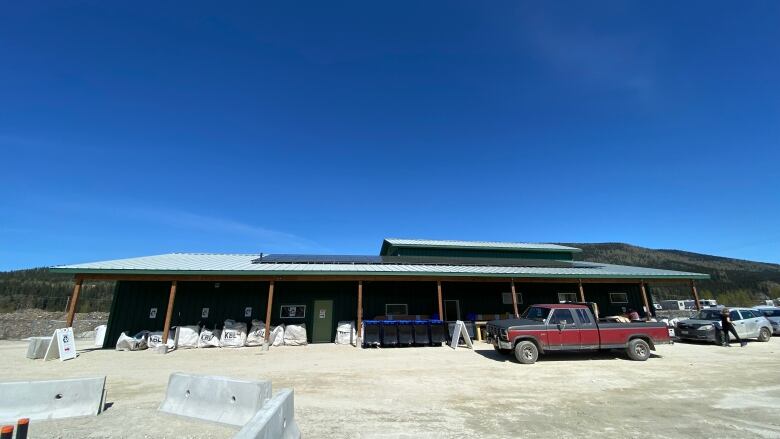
(564, 356)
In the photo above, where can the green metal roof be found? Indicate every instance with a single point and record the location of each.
(241, 264)
(474, 245)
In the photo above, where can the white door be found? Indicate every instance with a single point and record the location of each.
(740, 324)
(751, 323)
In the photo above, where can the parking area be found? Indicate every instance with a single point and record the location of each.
(692, 390)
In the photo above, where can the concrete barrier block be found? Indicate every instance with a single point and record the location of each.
(37, 347)
(214, 398)
(53, 399)
(275, 420)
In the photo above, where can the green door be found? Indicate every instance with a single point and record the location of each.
(323, 322)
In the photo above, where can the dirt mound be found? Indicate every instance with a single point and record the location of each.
(35, 322)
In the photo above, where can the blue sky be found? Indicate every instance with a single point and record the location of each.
(133, 129)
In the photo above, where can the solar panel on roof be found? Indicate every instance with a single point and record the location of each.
(413, 260)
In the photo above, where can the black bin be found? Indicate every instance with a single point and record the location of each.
(421, 329)
(371, 333)
(405, 333)
(389, 333)
(438, 332)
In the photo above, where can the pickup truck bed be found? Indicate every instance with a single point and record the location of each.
(572, 327)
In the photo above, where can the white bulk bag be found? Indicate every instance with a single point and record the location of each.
(345, 333)
(209, 338)
(295, 335)
(156, 339)
(127, 343)
(100, 335)
(189, 336)
(233, 334)
(277, 335)
(256, 335)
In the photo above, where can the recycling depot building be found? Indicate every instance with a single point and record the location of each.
(409, 279)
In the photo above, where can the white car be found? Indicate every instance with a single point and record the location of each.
(772, 313)
(705, 325)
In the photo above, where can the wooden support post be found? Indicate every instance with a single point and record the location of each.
(514, 299)
(268, 311)
(169, 312)
(441, 304)
(582, 292)
(360, 309)
(644, 300)
(74, 300)
(695, 295)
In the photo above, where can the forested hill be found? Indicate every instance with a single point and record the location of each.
(733, 281)
(39, 288)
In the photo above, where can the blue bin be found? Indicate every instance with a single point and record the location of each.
(389, 333)
(422, 332)
(405, 333)
(372, 333)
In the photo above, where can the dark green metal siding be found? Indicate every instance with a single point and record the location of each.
(226, 302)
(130, 309)
(478, 253)
(133, 300)
(421, 297)
(343, 295)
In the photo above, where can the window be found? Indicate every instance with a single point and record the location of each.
(734, 315)
(506, 298)
(583, 315)
(561, 316)
(747, 314)
(771, 312)
(292, 312)
(395, 309)
(536, 313)
(618, 298)
(567, 297)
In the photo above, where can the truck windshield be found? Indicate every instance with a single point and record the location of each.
(536, 313)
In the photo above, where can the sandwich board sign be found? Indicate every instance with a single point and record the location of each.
(460, 330)
(62, 345)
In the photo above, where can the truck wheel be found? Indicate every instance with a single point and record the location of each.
(638, 350)
(764, 335)
(526, 352)
(502, 351)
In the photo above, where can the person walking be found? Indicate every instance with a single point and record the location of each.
(726, 327)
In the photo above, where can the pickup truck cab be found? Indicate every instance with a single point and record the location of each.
(572, 327)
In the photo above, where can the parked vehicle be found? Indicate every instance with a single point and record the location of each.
(705, 325)
(572, 327)
(772, 313)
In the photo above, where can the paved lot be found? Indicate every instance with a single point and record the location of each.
(687, 390)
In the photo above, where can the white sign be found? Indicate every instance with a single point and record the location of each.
(248, 311)
(322, 313)
(153, 313)
(460, 331)
(204, 313)
(62, 345)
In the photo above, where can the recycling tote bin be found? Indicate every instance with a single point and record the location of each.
(438, 332)
(389, 333)
(422, 336)
(405, 333)
(371, 333)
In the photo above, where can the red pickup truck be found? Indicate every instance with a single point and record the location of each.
(572, 327)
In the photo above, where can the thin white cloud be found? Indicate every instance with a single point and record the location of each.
(266, 238)
(585, 54)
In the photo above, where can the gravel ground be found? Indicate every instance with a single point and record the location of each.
(36, 323)
(685, 390)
